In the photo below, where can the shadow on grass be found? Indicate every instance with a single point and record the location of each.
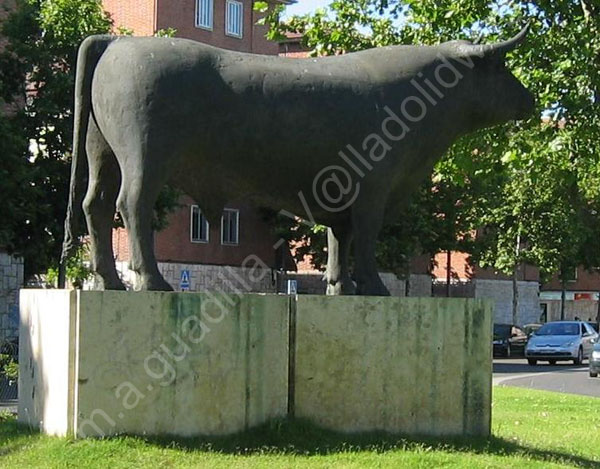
(299, 437)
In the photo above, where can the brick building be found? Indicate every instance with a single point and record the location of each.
(230, 24)
(581, 296)
(210, 256)
(537, 302)
(468, 280)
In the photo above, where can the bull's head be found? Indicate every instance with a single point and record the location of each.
(492, 93)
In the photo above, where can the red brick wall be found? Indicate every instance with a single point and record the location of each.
(292, 47)
(173, 244)
(138, 15)
(463, 269)
(181, 16)
(586, 281)
(145, 17)
(120, 242)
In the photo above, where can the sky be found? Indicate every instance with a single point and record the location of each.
(305, 6)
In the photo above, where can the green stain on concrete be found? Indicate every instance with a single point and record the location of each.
(417, 368)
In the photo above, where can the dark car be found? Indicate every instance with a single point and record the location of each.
(509, 340)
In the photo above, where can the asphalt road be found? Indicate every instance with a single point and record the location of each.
(562, 377)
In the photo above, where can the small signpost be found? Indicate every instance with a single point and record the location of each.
(292, 287)
(184, 283)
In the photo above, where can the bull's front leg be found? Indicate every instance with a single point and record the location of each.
(338, 250)
(367, 219)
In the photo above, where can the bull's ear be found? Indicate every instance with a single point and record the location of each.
(499, 48)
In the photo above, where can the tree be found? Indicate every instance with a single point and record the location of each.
(37, 75)
(532, 186)
(37, 66)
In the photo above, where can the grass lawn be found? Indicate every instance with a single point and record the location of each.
(530, 429)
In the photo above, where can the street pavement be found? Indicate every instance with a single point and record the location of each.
(562, 377)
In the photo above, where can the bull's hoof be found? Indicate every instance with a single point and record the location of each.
(334, 289)
(152, 283)
(345, 287)
(372, 288)
(109, 284)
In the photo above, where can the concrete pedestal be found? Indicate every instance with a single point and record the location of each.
(401, 365)
(103, 363)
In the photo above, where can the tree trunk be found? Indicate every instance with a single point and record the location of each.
(62, 275)
(563, 294)
(448, 272)
(515, 283)
(598, 312)
(515, 302)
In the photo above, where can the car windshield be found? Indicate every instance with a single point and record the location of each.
(502, 330)
(559, 328)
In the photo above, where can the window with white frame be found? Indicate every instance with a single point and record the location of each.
(234, 18)
(199, 226)
(230, 226)
(204, 13)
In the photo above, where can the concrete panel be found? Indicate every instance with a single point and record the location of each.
(45, 360)
(402, 365)
(586, 310)
(501, 292)
(101, 363)
(154, 362)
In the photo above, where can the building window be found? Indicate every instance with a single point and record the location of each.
(204, 14)
(230, 226)
(234, 18)
(199, 228)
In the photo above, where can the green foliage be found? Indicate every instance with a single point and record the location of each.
(37, 70)
(527, 182)
(18, 195)
(8, 367)
(77, 268)
(169, 32)
(270, 15)
(65, 23)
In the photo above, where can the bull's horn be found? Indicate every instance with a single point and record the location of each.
(498, 48)
(507, 46)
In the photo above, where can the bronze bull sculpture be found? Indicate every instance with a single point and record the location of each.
(344, 139)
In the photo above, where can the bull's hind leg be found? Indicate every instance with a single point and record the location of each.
(367, 218)
(99, 207)
(142, 183)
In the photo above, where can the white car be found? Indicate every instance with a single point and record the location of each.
(561, 341)
(595, 361)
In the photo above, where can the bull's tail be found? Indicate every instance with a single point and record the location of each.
(90, 51)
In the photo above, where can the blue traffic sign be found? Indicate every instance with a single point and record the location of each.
(184, 283)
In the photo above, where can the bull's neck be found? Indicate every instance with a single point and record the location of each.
(445, 119)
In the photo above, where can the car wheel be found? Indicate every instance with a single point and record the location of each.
(593, 375)
(552, 362)
(532, 361)
(508, 352)
(579, 358)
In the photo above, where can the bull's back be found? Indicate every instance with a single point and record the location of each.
(211, 112)
(153, 90)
